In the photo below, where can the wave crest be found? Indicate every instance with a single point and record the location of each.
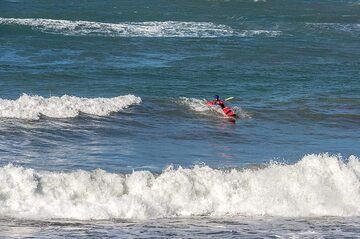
(32, 107)
(135, 29)
(128, 29)
(318, 185)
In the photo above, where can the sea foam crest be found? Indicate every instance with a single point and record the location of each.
(128, 29)
(135, 29)
(32, 107)
(317, 185)
(253, 33)
(198, 105)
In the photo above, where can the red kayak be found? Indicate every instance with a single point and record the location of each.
(226, 110)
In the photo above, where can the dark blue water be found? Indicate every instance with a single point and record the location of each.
(292, 67)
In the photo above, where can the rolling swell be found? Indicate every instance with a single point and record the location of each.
(32, 107)
(135, 29)
(317, 185)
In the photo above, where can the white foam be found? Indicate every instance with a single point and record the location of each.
(241, 113)
(127, 29)
(317, 185)
(253, 33)
(200, 106)
(134, 29)
(32, 107)
(194, 104)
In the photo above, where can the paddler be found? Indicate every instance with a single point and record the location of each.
(219, 102)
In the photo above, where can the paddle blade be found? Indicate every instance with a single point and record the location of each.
(230, 98)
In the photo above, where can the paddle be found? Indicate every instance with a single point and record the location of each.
(230, 98)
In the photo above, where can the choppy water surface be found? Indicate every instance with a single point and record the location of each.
(104, 130)
(202, 227)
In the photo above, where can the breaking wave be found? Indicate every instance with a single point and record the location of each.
(32, 107)
(317, 185)
(134, 29)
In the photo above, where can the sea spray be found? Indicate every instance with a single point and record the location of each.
(317, 185)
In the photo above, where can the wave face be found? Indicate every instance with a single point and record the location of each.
(135, 29)
(317, 185)
(32, 107)
(200, 106)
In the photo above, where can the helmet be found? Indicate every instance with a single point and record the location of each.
(216, 97)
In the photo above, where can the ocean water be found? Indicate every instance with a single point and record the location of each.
(104, 129)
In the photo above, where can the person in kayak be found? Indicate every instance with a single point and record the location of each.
(226, 110)
(218, 102)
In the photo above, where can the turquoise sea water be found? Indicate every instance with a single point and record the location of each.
(119, 86)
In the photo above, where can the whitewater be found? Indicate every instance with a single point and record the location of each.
(33, 107)
(135, 29)
(317, 185)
